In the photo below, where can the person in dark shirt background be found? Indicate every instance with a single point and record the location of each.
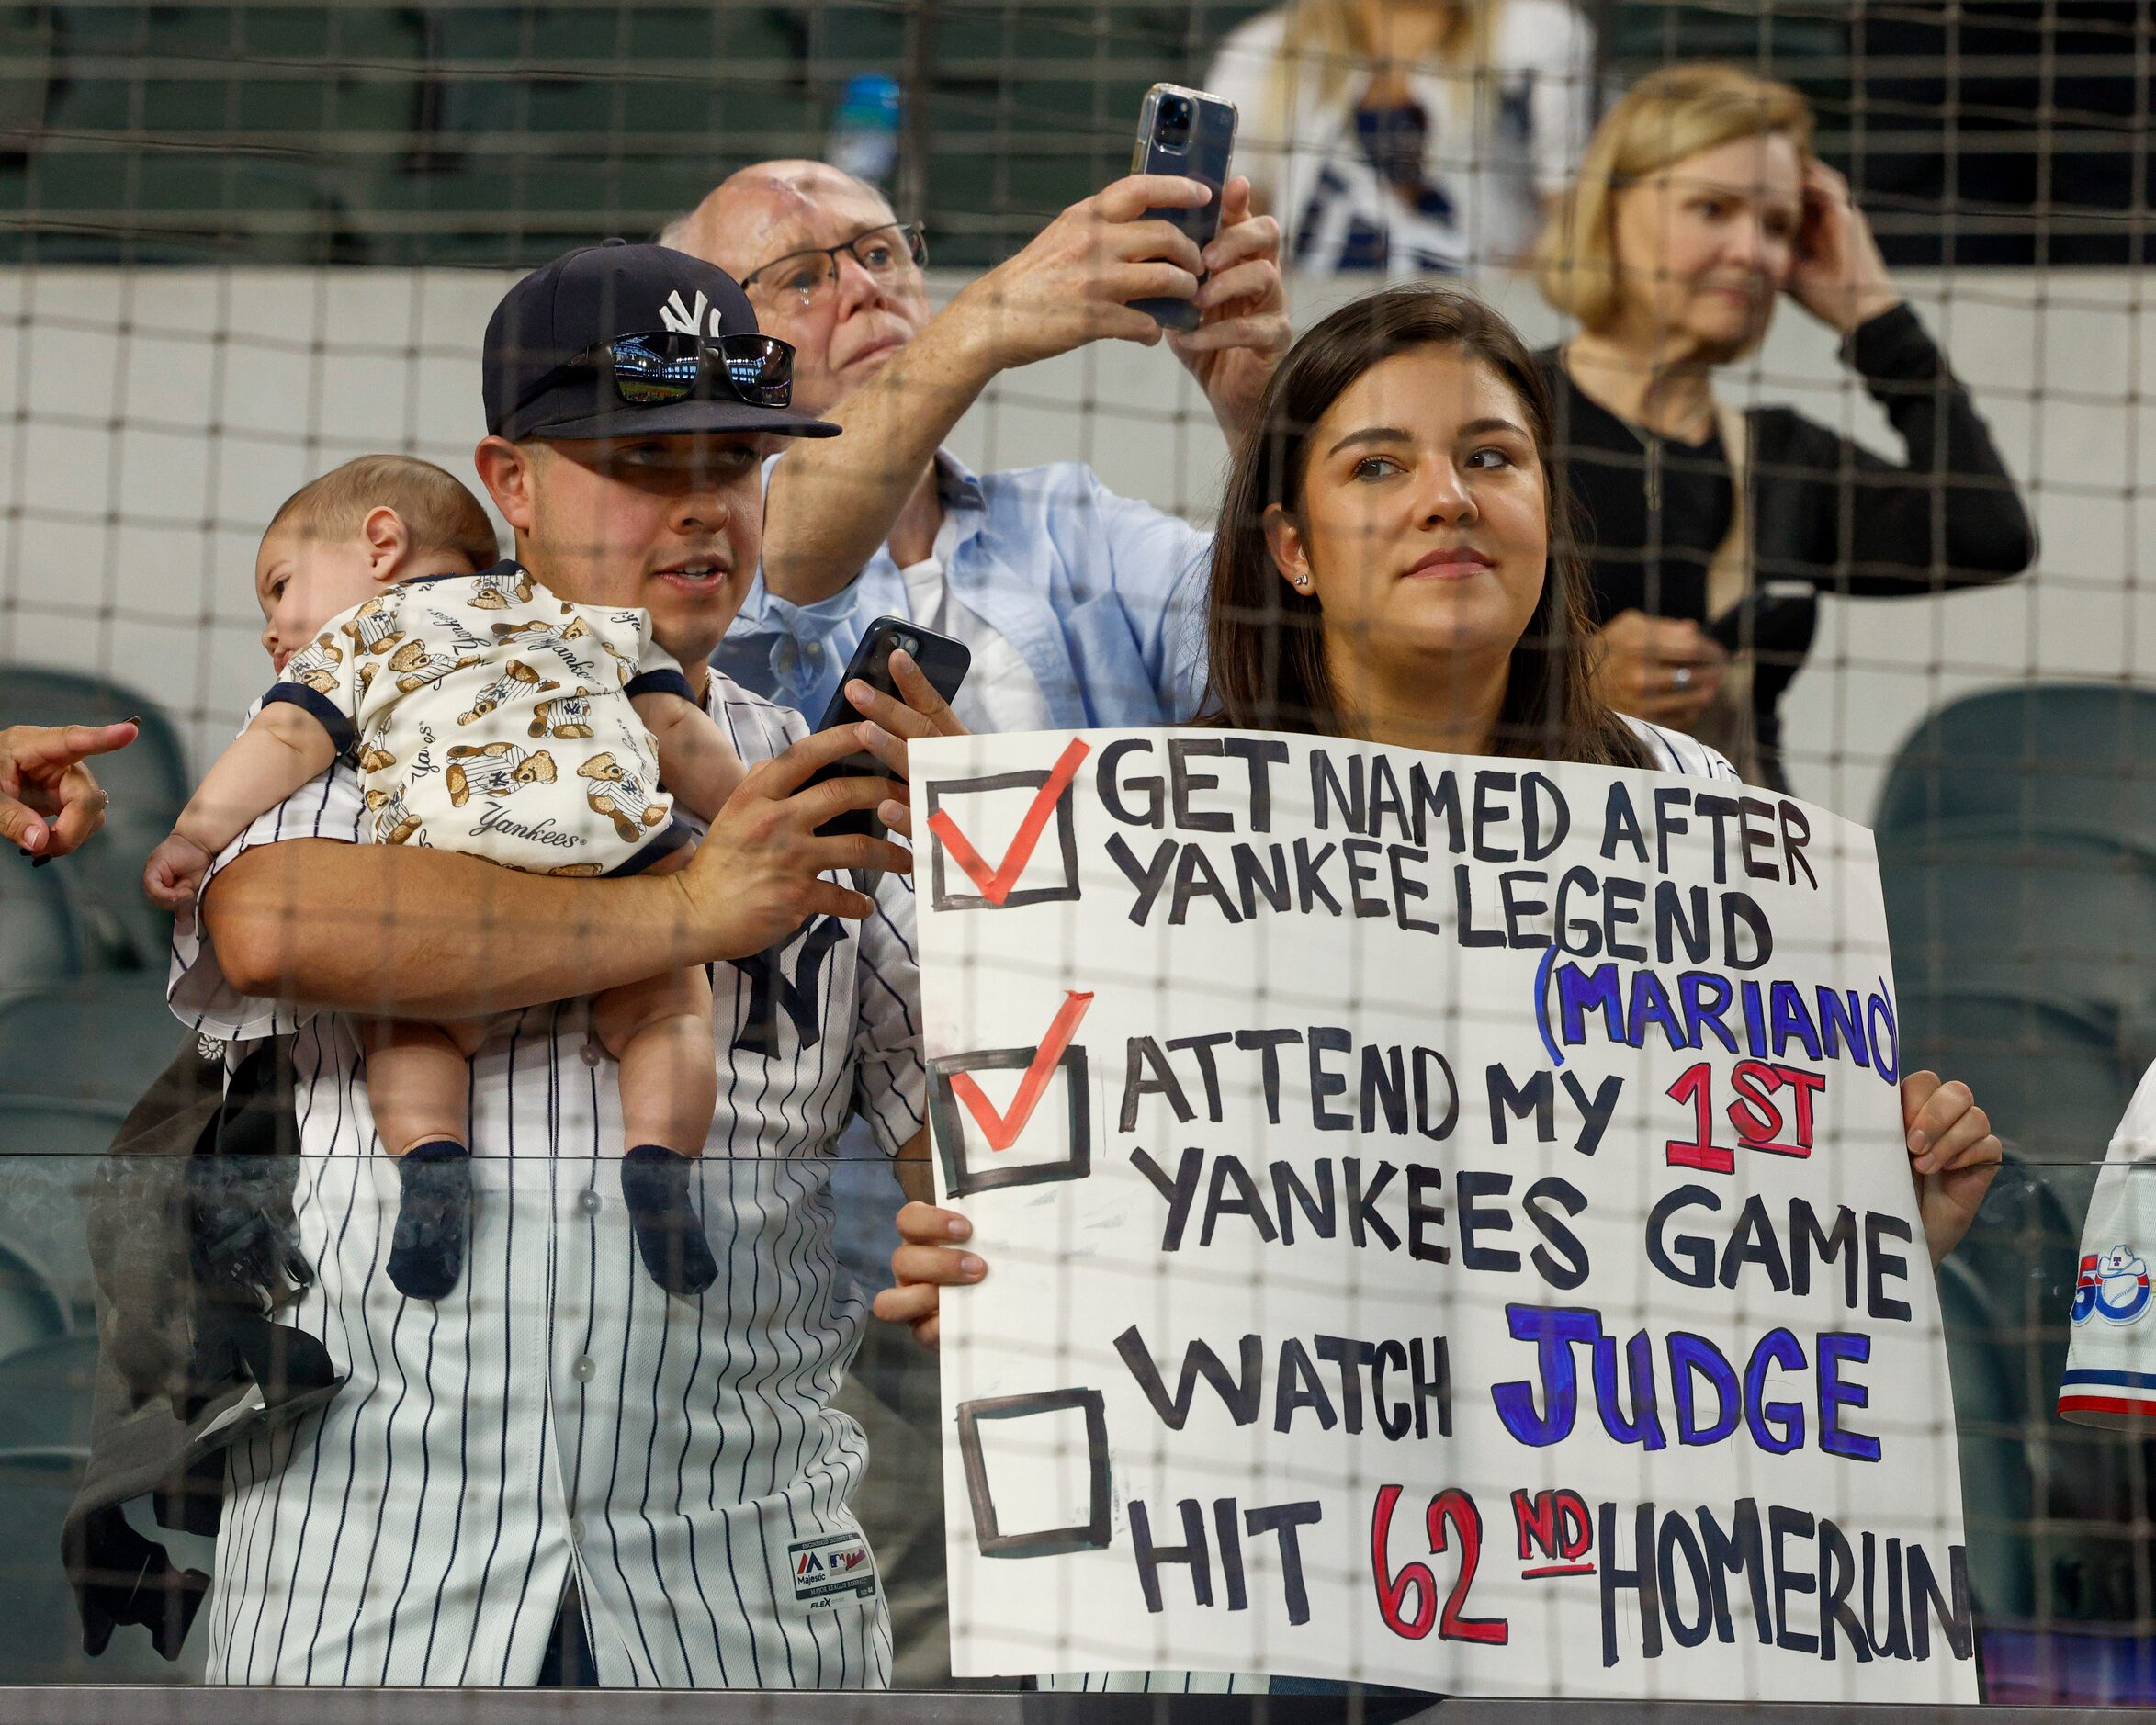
(1712, 532)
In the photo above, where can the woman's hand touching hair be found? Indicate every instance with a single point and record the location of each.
(1838, 275)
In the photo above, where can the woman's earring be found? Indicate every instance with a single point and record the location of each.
(1302, 584)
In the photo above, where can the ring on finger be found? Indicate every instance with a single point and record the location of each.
(1681, 678)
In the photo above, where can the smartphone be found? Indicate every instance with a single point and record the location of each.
(943, 661)
(1190, 133)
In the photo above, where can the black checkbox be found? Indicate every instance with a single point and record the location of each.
(946, 1117)
(1089, 1535)
(946, 896)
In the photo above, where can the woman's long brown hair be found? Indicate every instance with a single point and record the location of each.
(1266, 641)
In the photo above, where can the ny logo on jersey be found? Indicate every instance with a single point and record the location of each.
(682, 318)
(770, 988)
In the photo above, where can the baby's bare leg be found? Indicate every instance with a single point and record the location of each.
(660, 1031)
(418, 1077)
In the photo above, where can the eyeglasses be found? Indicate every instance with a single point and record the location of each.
(657, 367)
(803, 277)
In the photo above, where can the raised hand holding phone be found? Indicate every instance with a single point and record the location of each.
(1191, 134)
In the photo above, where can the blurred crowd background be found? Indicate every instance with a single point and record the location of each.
(242, 243)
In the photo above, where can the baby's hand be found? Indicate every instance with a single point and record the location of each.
(173, 874)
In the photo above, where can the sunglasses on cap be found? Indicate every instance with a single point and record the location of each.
(655, 367)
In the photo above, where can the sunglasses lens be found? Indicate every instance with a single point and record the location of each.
(761, 368)
(649, 374)
(652, 370)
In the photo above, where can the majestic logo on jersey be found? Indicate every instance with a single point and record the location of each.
(770, 988)
(685, 320)
(2113, 1286)
(832, 1567)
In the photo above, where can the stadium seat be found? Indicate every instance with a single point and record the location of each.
(2069, 914)
(44, 1438)
(149, 783)
(45, 1400)
(364, 76)
(2018, 853)
(72, 1063)
(44, 1197)
(2081, 1482)
(153, 768)
(2041, 760)
(1996, 1460)
(41, 939)
(2049, 1069)
(32, 1311)
(99, 1040)
(41, 1636)
(1791, 45)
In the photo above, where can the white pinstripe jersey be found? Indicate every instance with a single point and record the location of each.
(556, 1418)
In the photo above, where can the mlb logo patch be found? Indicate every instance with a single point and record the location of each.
(829, 1568)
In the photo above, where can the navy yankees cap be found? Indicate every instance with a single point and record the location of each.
(619, 340)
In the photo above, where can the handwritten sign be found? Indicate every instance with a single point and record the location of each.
(1448, 1227)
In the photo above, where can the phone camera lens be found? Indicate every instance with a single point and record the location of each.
(909, 644)
(1171, 129)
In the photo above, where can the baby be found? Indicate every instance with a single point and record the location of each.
(485, 715)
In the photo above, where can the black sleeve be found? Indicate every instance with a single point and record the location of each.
(1950, 517)
(659, 683)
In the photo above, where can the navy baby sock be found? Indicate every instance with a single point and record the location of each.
(654, 1181)
(433, 1212)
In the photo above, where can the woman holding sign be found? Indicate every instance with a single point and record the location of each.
(1388, 568)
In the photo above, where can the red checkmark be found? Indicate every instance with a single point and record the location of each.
(1001, 1130)
(996, 883)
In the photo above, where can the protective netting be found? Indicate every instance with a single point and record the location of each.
(245, 243)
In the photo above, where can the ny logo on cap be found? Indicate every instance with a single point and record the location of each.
(683, 319)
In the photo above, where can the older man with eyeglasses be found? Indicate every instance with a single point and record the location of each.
(1081, 607)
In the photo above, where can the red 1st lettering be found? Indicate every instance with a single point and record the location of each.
(1697, 1087)
(1758, 1119)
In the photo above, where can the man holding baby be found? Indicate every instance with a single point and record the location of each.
(560, 1459)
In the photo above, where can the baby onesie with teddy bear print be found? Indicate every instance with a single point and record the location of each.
(489, 715)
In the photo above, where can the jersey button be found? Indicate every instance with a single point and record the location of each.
(584, 1369)
(588, 1202)
(576, 1529)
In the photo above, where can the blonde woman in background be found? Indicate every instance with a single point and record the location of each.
(1713, 532)
(1402, 136)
